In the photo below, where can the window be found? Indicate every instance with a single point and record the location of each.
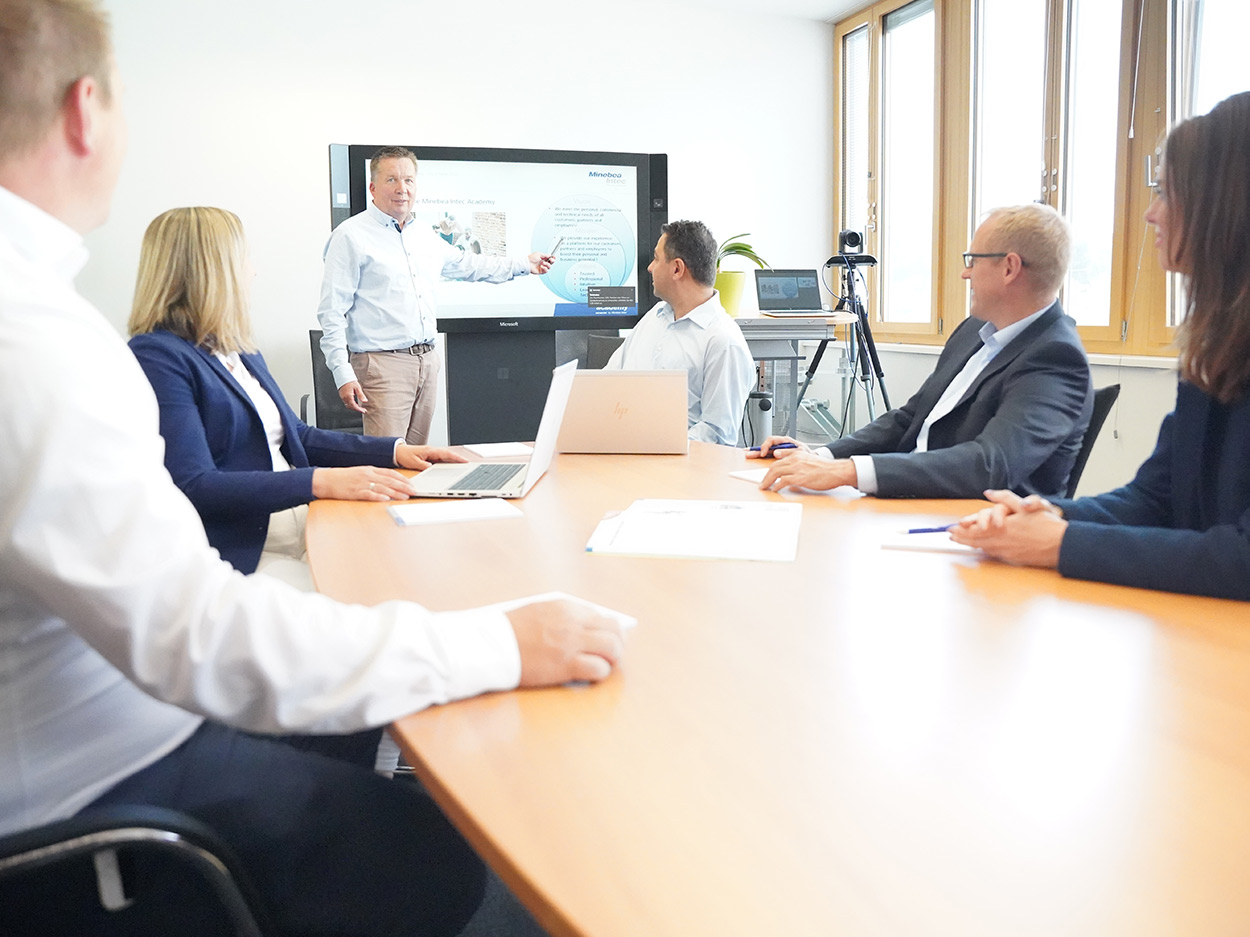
(1062, 101)
(907, 230)
(1208, 37)
(855, 145)
(886, 67)
(1010, 104)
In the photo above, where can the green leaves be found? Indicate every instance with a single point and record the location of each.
(731, 246)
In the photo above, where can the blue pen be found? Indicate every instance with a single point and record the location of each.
(931, 530)
(780, 445)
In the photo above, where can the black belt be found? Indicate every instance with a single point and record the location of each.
(419, 349)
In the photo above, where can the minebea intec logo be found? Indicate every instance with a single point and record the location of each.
(595, 174)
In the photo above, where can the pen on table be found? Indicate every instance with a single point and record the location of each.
(931, 530)
(780, 445)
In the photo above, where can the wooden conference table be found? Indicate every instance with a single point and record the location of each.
(862, 742)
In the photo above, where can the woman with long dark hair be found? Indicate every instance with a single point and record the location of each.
(1183, 523)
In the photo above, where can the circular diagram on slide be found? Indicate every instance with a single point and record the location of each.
(597, 245)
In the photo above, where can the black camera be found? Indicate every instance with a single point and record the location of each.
(850, 251)
(850, 242)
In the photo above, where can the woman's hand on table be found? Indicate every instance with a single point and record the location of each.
(360, 483)
(420, 457)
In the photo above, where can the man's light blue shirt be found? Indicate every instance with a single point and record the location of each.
(377, 293)
(708, 345)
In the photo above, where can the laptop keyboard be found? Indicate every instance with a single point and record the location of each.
(489, 475)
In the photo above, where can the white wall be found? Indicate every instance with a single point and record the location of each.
(233, 103)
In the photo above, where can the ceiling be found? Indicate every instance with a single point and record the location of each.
(828, 11)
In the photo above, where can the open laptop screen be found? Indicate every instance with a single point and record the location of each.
(787, 290)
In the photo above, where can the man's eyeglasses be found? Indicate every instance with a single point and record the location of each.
(969, 258)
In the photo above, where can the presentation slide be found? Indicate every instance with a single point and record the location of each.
(586, 215)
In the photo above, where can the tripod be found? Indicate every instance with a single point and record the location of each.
(861, 351)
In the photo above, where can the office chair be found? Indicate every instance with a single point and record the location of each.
(122, 872)
(331, 414)
(1104, 399)
(599, 348)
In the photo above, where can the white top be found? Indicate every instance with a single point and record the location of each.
(377, 292)
(112, 601)
(708, 345)
(266, 409)
(993, 340)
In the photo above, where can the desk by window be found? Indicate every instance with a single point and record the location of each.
(862, 742)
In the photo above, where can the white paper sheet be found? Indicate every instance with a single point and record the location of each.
(509, 450)
(734, 530)
(445, 512)
(939, 542)
(625, 621)
(843, 492)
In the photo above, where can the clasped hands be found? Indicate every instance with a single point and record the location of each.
(1022, 531)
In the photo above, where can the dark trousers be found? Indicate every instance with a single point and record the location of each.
(332, 847)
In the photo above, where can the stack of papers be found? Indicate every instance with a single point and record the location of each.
(445, 512)
(728, 530)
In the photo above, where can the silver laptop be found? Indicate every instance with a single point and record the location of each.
(627, 412)
(788, 292)
(503, 479)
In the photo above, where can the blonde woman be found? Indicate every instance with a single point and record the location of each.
(232, 443)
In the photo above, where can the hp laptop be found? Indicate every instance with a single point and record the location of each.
(626, 412)
(503, 479)
(788, 292)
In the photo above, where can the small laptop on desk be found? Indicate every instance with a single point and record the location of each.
(629, 412)
(503, 479)
(788, 293)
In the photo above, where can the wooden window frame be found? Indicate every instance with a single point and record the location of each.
(1139, 288)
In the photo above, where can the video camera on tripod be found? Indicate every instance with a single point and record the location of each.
(850, 256)
(850, 252)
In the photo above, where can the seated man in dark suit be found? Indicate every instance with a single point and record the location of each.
(1006, 406)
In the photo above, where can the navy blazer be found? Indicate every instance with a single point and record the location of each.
(1019, 426)
(217, 452)
(1183, 523)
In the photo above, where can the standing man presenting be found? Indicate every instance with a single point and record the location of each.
(1010, 398)
(377, 301)
(690, 331)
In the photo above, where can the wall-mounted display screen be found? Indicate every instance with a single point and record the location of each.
(597, 214)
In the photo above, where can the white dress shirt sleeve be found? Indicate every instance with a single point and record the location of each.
(865, 473)
(107, 544)
(339, 282)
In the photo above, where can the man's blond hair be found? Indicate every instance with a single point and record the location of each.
(1039, 235)
(192, 272)
(389, 152)
(46, 47)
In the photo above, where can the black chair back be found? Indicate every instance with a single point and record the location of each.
(599, 348)
(331, 414)
(132, 871)
(1104, 399)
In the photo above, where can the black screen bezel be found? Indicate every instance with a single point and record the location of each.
(651, 212)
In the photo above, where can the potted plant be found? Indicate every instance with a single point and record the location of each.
(731, 283)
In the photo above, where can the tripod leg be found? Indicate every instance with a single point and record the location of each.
(811, 371)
